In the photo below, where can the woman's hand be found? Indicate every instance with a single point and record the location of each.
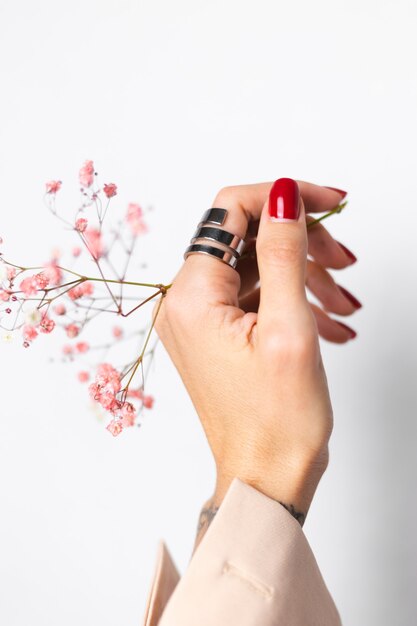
(250, 357)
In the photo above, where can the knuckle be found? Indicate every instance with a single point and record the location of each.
(227, 195)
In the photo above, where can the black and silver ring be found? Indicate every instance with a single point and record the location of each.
(218, 253)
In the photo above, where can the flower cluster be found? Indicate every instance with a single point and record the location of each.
(53, 298)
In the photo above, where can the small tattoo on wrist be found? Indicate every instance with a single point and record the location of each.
(207, 515)
(300, 517)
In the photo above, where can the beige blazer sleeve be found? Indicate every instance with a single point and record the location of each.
(254, 567)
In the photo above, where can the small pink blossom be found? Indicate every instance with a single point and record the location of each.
(67, 349)
(72, 330)
(83, 289)
(11, 272)
(134, 218)
(148, 402)
(117, 332)
(4, 295)
(86, 174)
(94, 242)
(82, 347)
(53, 272)
(115, 427)
(59, 309)
(110, 190)
(29, 286)
(128, 414)
(83, 377)
(76, 251)
(46, 325)
(29, 333)
(53, 186)
(81, 224)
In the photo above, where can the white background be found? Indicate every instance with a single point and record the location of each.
(174, 100)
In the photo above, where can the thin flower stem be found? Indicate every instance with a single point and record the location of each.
(338, 209)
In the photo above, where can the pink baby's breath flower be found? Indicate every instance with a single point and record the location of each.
(128, 414)
(42, 280)
(4, 295)
(29, 333)
(29, 286)
(72, 330)
(94, 242)
(46, 325)
(59, 309)
(53, 186)
(86, 174)
(110, 190)
(67, 350)
(88, 288)
(53, 272)
(83, 289)
(134, 218)
(11, 272)
(115, 427)
(82, 347)
(76, 251)
(117, 332)
(81, 224)
(148, 402)
(83, 377)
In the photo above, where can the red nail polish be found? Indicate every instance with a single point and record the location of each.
(342, 193)
(350, 297)
(348, 253)
(284, 200)
(352, 333)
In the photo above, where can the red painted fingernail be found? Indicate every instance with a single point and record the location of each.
(348, 253)
(342, 193)
(284, 200)
(350, 297)
(350, 330)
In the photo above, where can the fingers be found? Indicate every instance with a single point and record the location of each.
(281, 248)
(333, 297)
(326, 250)
(331, 330)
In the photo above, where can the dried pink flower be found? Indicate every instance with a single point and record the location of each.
(46, 325)
(83, 377)
(53, 272)
(11, 272)
(76, 251)
(29, 333)
(4, 295)
(72, 330)
(128, 414)
(134, 218)
(81, 224)
(110, 190)
(31, 284)
(94, 242)
(67, 349)
(83, 289)
(115, 427)
(53, 186)
(148, 402)
(86, 174)
(82, 347)
(117, 332)
(60, 309)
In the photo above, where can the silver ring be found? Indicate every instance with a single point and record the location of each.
(235, 243)
(223, 255)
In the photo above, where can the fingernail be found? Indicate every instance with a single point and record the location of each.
(342, 193)
(348, 253)
(284, 200)
(352, 333)
(350, 297)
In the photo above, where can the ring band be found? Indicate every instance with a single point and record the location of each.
(223, 255)
(235, 243)
(206, 232)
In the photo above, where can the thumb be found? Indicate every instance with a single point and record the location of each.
(281, 248)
